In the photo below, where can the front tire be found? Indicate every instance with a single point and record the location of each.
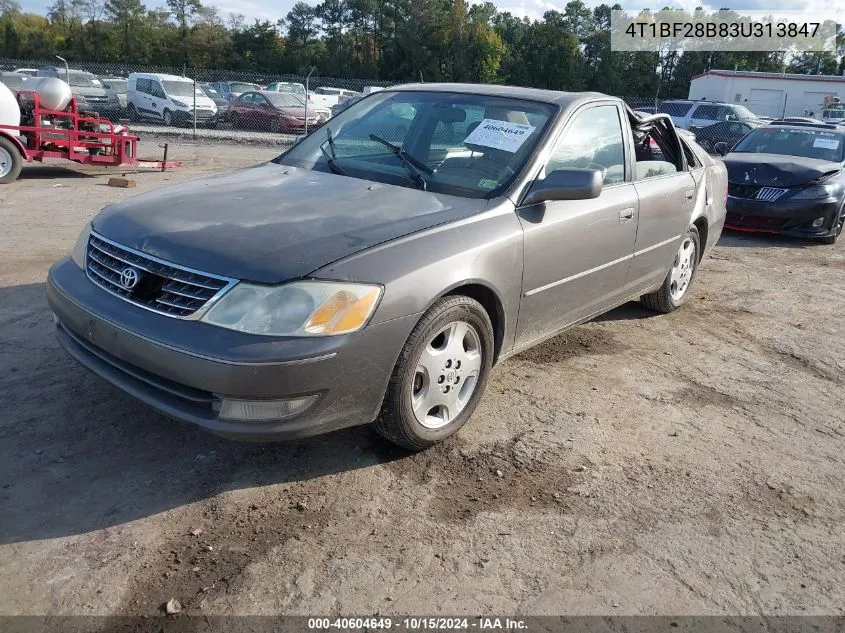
(837, 228)
(11, 161)
(676, 287)
(167, 118)
(440, 376)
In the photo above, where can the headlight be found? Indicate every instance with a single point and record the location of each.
(302, 308)
(179, 103)
(81, 247)
(816, 192)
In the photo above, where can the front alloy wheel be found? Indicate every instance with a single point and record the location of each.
(440, 375)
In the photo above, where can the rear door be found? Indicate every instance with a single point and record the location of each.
(667, 194)
(577, 253)
(703, 114)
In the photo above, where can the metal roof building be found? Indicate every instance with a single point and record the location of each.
(768, 94)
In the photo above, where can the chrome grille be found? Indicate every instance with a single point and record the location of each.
(770, 194)
(158, 285)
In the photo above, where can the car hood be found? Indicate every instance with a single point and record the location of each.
(271, 223)
(776, 169)
(79, 91)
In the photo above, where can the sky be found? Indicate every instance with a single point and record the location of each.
(534, 9)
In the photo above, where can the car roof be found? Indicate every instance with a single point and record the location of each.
(703, 101)
(802, 125)
(160, 76)
(514, 92)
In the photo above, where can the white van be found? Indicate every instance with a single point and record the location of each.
(168, 99)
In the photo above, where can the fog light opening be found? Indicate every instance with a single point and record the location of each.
(818, 222)
(238, 410)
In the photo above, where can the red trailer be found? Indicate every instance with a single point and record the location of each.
(70, 135)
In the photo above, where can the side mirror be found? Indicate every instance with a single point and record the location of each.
(721, 148)
(566, 184)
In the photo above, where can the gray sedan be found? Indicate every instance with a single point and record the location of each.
(361, 277)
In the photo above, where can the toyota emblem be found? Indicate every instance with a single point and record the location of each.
(129, 278)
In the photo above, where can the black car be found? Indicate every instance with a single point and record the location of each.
(728, 132)
(218, 99)
(788, 178)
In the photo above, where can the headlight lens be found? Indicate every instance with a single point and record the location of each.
(816, 192)
(81, 247)
(302, 308)
(180, 104)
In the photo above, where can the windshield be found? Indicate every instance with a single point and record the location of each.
(283, 100)
(118, 85)
(471, 145)
(81, 80)
(243, 87)
(211, 92)
(293, 88)
(742, 112)
(818, 144)
(181, 89)
(836, 111)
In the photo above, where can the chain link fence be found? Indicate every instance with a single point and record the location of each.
(258, 107)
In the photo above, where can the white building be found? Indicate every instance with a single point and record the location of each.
(768, 94)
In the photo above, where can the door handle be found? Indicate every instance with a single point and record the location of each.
(626, 215)
(689, 194)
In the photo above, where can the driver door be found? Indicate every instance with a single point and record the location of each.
(578, 252)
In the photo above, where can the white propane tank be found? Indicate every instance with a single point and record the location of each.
(53, 93)
(10, 112)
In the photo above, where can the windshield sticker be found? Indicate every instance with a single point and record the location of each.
(826, 143)
(502, 135)
(487, 184)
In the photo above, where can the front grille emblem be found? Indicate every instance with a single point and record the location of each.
(129, 278)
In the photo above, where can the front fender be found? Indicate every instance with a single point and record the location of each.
(485, 250)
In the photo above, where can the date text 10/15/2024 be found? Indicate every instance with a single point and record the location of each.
(417, 624)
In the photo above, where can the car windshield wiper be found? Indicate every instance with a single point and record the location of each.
(331, 159)
(414, 166)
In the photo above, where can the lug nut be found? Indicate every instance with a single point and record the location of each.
(446, 389)
(448, 363)
(441, 379)
(457, 379)
(457, 364)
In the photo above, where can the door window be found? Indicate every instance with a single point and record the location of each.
(593, 140)
(156, 90)
(143, 85)
(707, 112)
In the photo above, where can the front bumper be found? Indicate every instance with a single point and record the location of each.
(185, 368)
(785, 217)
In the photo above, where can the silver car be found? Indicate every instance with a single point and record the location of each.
(356, 279)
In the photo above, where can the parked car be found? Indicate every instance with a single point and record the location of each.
(88, 90)
(287, 86)
(168, 99)
(686, 113)
(352, 279)
(15, 81)
(219, 100)
(273, 111)
(788, 178)
(231, 89)
(117, 85)
(728, 131)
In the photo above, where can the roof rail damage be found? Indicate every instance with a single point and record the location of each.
(660, 129)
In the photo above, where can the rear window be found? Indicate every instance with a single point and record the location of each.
(675, 108)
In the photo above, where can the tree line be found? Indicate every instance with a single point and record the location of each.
(390, 40)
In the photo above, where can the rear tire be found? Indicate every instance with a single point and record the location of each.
(440, 375)
(676, 287)
(11, 161)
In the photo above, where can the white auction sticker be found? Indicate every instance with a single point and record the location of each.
(826, 143)
(502, 135)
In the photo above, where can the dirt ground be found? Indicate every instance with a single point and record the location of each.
(639, 464)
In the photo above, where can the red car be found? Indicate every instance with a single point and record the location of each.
(274, 111)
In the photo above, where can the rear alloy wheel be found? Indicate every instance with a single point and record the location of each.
(11, 161)
(837, 227)
(440, 375)
(675, 289)
(275, 126)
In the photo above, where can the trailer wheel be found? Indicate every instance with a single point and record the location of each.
(11, 161)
